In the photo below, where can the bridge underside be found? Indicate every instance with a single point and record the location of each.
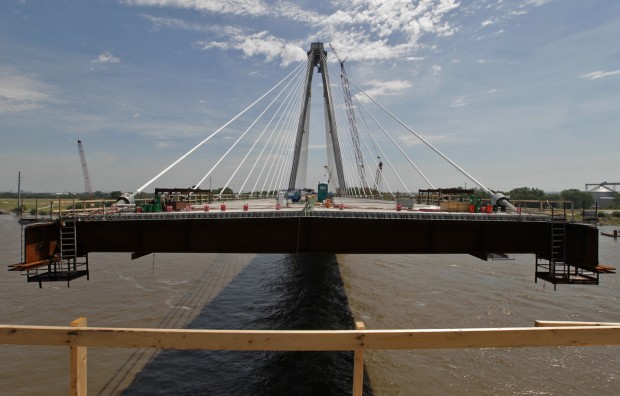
(316, 234)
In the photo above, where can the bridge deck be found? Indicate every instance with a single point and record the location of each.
(360, 227)
(351, 208)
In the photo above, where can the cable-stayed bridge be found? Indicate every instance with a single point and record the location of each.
(266, 147)
(266, 160)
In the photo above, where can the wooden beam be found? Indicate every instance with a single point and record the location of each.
(308, 340)
(554, 323)
(358, 366)
(79, 378)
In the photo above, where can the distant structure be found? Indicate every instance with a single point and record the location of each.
(378, 175)
(359, 159)
(602, 194)
(87, 188)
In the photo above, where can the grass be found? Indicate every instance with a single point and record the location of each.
(609, 220)
(7, 204)
(42, 204)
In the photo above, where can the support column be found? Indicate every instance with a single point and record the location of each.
(79, 380)
(303, 129)
(358, 366)
(331, 132)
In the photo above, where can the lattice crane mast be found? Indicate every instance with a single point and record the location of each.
(87, 188)
(359, 160)
(378, 176)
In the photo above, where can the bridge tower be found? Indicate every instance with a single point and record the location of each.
(317, 57)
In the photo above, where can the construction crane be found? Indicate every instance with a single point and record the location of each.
(359, 160)
(87, 188)
(378, 176)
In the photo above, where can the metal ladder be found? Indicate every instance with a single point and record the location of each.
(558, 267)
(68, 246)
(553, 268)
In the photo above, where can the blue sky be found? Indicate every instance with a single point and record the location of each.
(518, 93)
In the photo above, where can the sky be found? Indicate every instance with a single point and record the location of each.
(518, 93)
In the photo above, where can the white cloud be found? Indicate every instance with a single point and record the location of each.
(164, 144)
(600, 74)
(458, 102)
(410, 140)
(237, 7)
(19, 92)
(256, 44)
(175, 23)
(537, 3)
(436, 70)
(384, 88)
(106, 57)
(386, 30)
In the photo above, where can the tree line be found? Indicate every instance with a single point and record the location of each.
(578, 197)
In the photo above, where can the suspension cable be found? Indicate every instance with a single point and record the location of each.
(354, 182)
(285, 159)
(277, 112)
(397, 146)
(488, 191)
(384, 156)
(260, 155)
(279, 146)
(241, 137)
(212, 135)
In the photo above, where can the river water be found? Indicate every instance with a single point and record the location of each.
(238, 291)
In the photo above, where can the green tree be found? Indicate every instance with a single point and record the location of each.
(615, 204)
(579, 198)
(526, 193)
(227, 190)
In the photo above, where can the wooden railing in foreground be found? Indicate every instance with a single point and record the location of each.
(78, 337)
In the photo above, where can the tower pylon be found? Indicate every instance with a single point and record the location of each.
(317, 57)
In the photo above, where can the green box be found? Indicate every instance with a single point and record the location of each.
(322, 192)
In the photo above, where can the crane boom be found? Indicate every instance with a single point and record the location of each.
(378, 176)
(359, 160)
(87, 188)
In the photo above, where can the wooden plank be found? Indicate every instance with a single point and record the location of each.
(79, 377)
(555, 323)
(306, 340)
(358, 366)
(28, 266)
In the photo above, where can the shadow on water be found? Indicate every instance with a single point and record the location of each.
(274, 292)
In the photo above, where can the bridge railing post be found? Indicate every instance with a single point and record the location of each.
(358, 366)
(78, 381)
